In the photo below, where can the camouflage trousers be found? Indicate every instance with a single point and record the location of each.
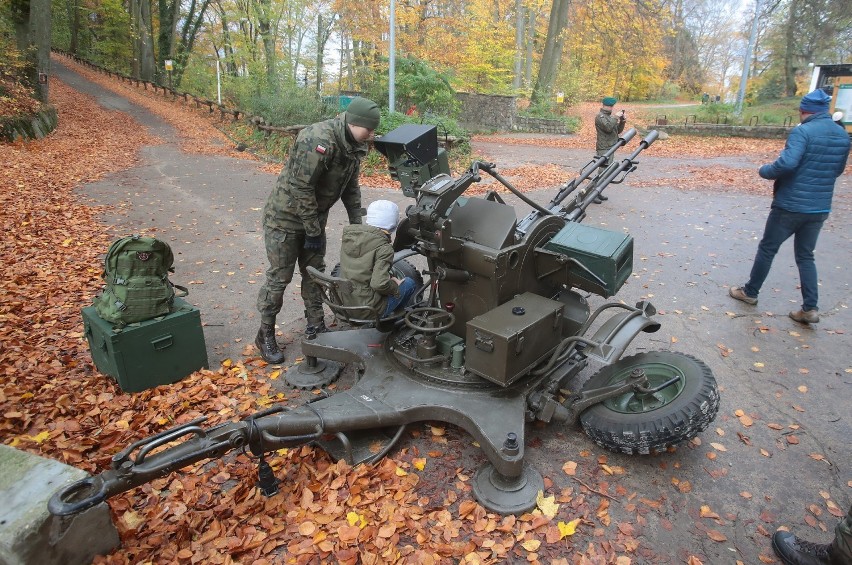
(841, 547)
(283, 250)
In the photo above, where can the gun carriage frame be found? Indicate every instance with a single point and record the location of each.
(500, 331)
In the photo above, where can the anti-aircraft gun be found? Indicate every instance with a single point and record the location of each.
(501, 332)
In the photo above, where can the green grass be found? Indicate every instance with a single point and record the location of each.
(777, 112)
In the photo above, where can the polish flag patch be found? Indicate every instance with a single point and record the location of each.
(321, 149)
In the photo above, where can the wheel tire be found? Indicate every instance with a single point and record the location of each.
(403, 268)
(633, 423)
(400, 269)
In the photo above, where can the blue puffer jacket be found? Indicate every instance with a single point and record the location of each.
(814, 156)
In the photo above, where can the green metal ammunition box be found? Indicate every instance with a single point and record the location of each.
(150, 353)
(607, 255)
(503, 344)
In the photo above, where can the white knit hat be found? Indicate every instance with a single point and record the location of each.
(837, 116)
(383, 214)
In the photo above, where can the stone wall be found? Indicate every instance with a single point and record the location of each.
(29, 127)
(500, 113)
(540, 125)
(713, 130)
(485, 112)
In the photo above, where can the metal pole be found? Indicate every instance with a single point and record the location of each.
(738, 108)
(392, 77)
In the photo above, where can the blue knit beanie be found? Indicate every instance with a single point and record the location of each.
(815, 102)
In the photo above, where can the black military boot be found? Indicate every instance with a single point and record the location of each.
(795, 551)
(315, 328)
(265, 342)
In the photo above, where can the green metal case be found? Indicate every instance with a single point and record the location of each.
(150, 353)
(608, 255)
(503, 344)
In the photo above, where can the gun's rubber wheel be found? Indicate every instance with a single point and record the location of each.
(403, 268)
(641, 423)
(400, 269)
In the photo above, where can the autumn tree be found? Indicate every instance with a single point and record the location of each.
(552, 55)
(806, 31)
(615, 49)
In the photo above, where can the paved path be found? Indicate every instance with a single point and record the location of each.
(689, 246)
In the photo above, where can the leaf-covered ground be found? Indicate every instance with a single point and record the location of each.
(55, 404)
(685, 152)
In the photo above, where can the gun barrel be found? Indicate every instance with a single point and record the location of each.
(599, 183)
(570, 186)
(593, 166)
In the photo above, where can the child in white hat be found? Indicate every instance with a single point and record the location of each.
(366, 257)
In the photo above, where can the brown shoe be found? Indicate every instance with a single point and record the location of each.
(738, 293)
(806, 316)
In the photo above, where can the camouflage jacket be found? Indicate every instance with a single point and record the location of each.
(608, 129)
(366, 256)
(322, 168)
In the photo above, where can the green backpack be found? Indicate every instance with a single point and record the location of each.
(136, 271)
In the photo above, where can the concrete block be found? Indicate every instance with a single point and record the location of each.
(29, 534)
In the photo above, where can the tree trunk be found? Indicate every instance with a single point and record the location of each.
(191, 25)
(40, 26)
(143, 60)
(519, 43)
(552, 52)
(31, 19)
(168, 10)
(264, 27)
(790, 47)
(74, 23)
(347, 56)
(677, 56)
(228, 48)
(530, 48)
(134, 37)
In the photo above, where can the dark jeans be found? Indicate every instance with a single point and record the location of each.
(406, 291)
(780, 225)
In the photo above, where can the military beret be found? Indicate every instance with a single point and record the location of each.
(609, 101)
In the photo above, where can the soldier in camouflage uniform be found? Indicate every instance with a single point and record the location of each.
(322, 168)
(608, 128)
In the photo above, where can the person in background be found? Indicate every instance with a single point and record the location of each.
(805, 173)
(607, 127)
(366, 257)
(321, 169)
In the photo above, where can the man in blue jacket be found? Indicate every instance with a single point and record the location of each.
(814, 156)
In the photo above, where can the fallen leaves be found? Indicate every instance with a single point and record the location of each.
(834, 510)
(547, 505)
